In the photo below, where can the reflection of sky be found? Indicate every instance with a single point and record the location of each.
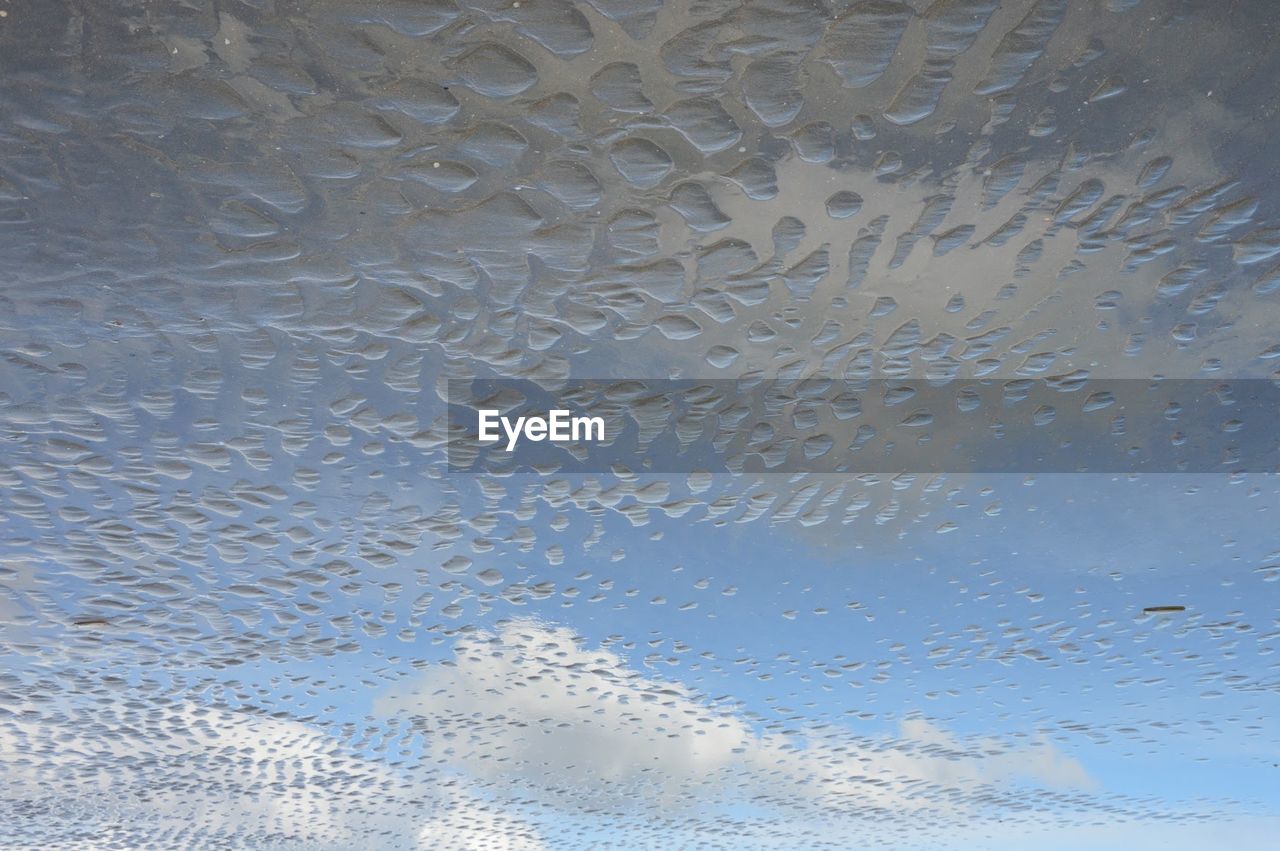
(242, 605)
(1038, 640)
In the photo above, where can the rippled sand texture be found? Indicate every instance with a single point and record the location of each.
(246, 245)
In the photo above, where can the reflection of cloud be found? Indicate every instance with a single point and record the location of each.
(1041, 763)
(533, 707)
(467, 824)
(201, 778)
(536, 704)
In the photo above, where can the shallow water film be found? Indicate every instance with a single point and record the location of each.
(939, 339)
